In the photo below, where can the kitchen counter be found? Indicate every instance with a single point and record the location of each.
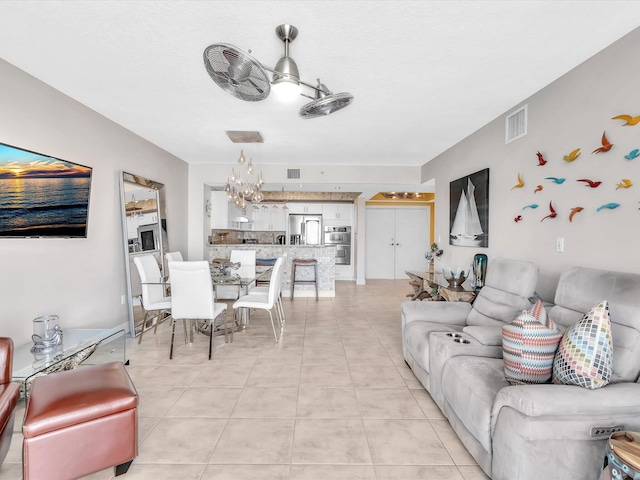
(324, 254)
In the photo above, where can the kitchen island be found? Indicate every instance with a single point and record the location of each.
(325, 255)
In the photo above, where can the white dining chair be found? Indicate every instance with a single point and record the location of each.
(192, 298)
(264, 290)
(153, 298)
(174, 257)
(264, 302)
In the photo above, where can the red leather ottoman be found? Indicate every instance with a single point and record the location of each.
(9, 396)
(79, 422)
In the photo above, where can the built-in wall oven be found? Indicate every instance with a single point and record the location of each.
(341, 238)
(148, 236)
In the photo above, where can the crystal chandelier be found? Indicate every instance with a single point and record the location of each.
(244, 185)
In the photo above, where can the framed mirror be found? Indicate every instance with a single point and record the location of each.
(144, 234)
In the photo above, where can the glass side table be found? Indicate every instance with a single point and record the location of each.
(88, 346)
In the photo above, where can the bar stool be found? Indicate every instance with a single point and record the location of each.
(299, 262)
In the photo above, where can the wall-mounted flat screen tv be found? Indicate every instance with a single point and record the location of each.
(42, 196)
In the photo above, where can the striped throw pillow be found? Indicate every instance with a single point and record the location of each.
(529, 345)
(585, 355)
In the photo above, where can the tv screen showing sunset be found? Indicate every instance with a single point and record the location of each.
(42, 196)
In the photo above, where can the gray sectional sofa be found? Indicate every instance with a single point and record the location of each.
(526, 432)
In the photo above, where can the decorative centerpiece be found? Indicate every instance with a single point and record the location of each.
(47, 334)
(455, 279)
(221, 271)
(433, 253)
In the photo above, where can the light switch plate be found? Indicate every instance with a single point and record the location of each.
(560, 244)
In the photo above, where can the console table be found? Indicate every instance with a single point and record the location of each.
(92, 346)
(436, 281)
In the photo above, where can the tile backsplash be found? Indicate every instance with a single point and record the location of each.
(232, 237)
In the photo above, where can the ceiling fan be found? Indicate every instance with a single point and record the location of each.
(244, 77)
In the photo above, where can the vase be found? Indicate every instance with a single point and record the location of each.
(479, 270)
(47, 335)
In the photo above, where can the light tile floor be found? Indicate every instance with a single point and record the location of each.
(333, 400)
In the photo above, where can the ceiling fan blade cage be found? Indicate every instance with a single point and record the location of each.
(237, 72)
(326, 105)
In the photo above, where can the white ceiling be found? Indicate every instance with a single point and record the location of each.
(425, 74)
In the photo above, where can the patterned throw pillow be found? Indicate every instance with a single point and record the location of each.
(529, 345)
(585, 355)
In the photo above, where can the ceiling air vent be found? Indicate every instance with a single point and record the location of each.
(293, 173)
(516, 125)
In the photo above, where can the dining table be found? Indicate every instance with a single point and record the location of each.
(222, 275)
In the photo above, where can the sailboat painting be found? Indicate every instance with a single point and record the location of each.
(469, 210)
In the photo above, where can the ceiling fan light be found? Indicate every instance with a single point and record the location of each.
(286, 79)
(286, 91)
(286, 70)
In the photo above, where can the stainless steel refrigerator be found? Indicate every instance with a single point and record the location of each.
(305, 230)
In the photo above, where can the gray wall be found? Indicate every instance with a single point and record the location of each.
(81, 280)
(570, 113)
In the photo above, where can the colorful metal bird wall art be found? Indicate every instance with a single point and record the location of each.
(553, 213)
(609, 206)
(606, 146)
(573, 212)
(589, 183)
(520, 183)
(624, 183)
(541, 160)
(572, 156)
(556, 180)
(629, 120)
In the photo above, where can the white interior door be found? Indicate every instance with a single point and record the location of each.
(380, 243)
(396, 241)
(412, 239)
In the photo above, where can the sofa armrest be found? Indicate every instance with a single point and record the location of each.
(618, 399)
(6, 357)
(9, 396)
(487, 335)
(450, 313)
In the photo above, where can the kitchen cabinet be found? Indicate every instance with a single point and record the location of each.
(138, 220)
(132, 226)
(225, 213)
(337, 211)
(261, 217)
(147, 218)
(279, 218)
(235, 214)
(219, 211)
(305, 208)
(396, 240)
(268, 217)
